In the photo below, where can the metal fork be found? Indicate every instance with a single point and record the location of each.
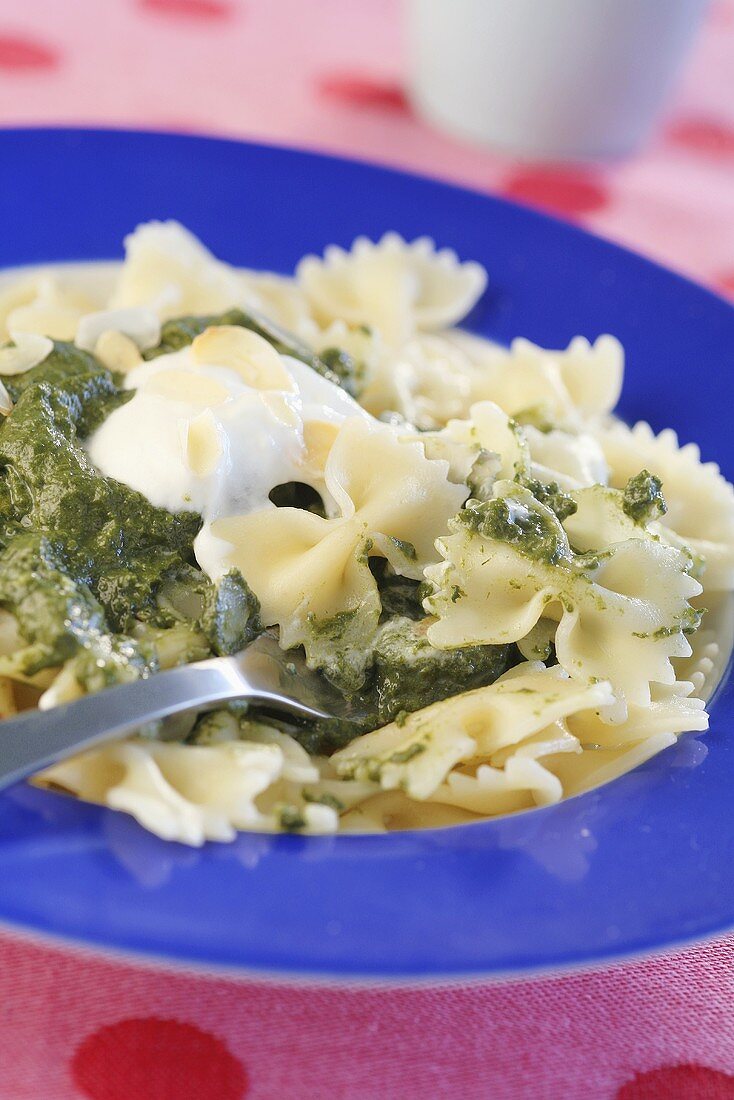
(263, 674)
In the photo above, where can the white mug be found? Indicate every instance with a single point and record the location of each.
(564, 79)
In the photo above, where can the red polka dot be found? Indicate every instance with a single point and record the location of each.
(704, 135)
(152, 1059)
(180, 125)
(25, 53)
(364, 91)
(721, 14)
(561, 190)
(687, 1082)
(724, 283)
(196, 9)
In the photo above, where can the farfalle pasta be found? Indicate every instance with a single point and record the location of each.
(509, 584)
(394, 286)
(622, 612)
(312, 573)
(562, 387)
(699, 501)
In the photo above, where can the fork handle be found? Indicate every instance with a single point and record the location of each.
(39, 738)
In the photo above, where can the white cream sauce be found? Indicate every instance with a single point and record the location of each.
(257, 442)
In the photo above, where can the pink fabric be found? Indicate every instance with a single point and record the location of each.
(76, 1025)
(328, 74)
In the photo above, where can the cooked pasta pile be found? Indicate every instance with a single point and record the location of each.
(459, 535)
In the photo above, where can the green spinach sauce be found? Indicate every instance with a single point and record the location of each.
(643, 499)
(95, 573)
(88, 566)
(525, 528)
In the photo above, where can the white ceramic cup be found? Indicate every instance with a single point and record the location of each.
(560, 79)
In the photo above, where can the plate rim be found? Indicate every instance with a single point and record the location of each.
(570, 230)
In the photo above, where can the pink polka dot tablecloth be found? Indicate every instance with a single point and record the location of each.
(76, 1025)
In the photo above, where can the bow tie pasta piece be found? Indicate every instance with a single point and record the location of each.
(312, 578)
(428, 381)
(697, 496)
(514, 779)
(521, 784)
(279, 298)
(308, 794)
(700, 501)
(180, 792)
(572, 754)
(600, 520)
(592, 769)
(248, 776)
(706, 665)
(402, 757)
(193, 793)
(456, 444)
(168, 270)
(622, 614)
(571, 460)
(417, 754)
(388, 485)
(491, 446)
(603, 516)
(495, 432)
(388, 811)
(672, 709)
(393, 285)
(222, 726)
(557, 387)
(592, 373)
(487, 446)
(362, 342)
(311, 574)
(552, 739)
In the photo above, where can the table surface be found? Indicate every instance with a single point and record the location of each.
(328, 75)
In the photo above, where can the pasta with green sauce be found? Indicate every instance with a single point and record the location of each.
(524, 596)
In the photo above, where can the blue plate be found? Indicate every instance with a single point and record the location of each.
(638, 865)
